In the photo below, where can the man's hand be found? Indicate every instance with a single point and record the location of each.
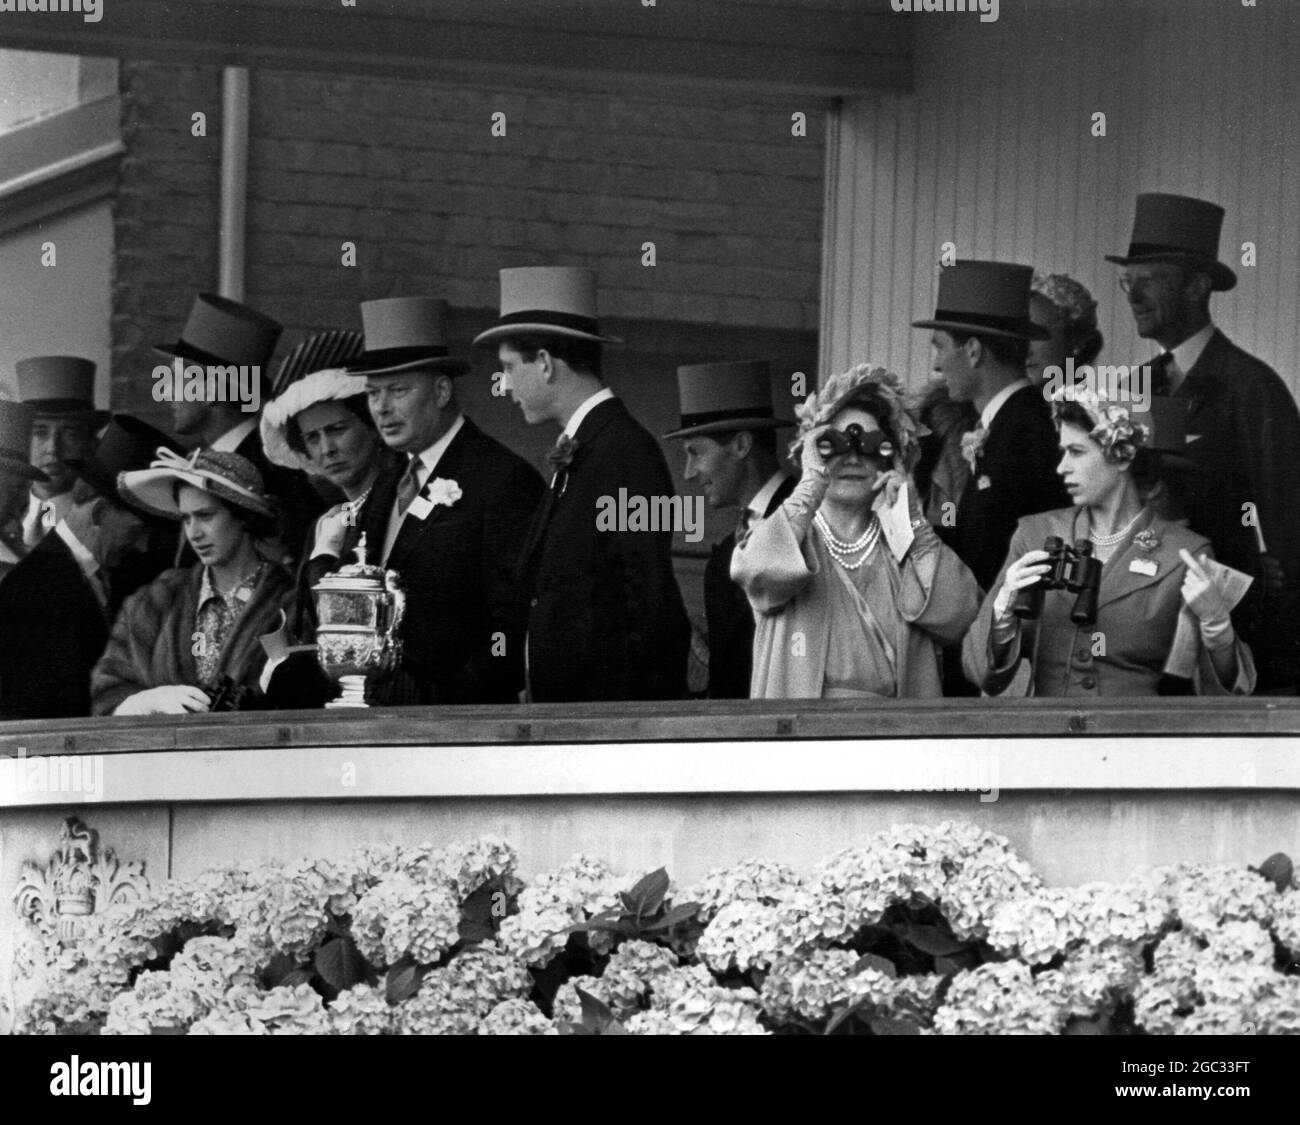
(170, 699)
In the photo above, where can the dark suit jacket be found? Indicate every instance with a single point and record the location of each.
(730, 620)
(54, 631)
(1019, 464)
(606, 619)
(463, 633)
(1247, 452)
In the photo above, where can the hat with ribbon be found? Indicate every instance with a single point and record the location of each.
(986, 299)
(725, 397)
(406, 334)
(127, 445)
(61, 386)
(1178, 229)
(15, 440)
(222, 332)
(550, 300)
(312, 373)
(228, 476)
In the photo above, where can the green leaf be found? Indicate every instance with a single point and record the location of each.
(885, 1025)
(477, 906)
(403, 981)
(1087, 1027)
(278, 968)
(933, 940)
(674, 916)
(472, 931)
(628, 929)
(648, 893)
(1278, 870)
(847, 1013)
(340, 964)
(875, 961)
(300, 975)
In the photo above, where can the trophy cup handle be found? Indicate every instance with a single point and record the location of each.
(399, 602)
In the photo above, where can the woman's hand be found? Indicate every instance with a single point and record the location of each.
(889, 484)
(169, 699)
(810, 457)
(1025, 571)
(1203, 598)
(332, 529)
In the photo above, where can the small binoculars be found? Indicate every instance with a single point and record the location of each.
(1073, 569)
(873, 445)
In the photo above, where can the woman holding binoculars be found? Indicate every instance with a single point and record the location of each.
(1096, 610)
(837, 614)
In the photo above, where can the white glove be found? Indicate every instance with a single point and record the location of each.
(810, 457)
(170, 699)
(1204, 599)
(1025, 571)
(332, 529)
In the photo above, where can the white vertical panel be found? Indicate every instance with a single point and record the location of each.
(993, 151)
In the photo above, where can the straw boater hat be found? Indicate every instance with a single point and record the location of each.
(551, 300)
(60, 386)
(403, 334)
(127, 445)
(1180, 229)
(312, 373)
(228, 476)
(15, 440)
(725, 397)
(221, 332)
(985, 298)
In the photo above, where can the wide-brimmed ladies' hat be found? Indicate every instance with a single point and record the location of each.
(312, 373)
(986, 299)
(840, 391)
(1181, 230)
(406, 334)
(60, 386)
(228, 476)
(550, 301)
(720, 398)
(16, 420)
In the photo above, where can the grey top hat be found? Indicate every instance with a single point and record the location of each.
(15, 440)
(60, 385)
(405, 333)
(988, 298)
(552, 300)
(725, 397)
(222, 331)
(1178, 228)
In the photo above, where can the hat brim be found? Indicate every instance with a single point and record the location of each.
(1221, 277)
(729, 425)
(501, 331)
(1025, 331)
(184, 351)
(154, 491)
(60, 408)
(438, 365)
(23, 469)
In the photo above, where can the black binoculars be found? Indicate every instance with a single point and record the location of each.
(1073, 569)
(229, 695)
(873, 445)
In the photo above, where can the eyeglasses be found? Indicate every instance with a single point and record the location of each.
(1128, 283)
(874, 446)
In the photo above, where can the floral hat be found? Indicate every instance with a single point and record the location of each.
(822, 405)
(228, 476)
(1072, 298)
(1113, 427)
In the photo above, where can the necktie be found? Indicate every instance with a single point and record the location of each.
(408, 488)
(1162, 374)
(742, 524)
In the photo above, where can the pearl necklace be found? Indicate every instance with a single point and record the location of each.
(1114, 537)
(841, 551)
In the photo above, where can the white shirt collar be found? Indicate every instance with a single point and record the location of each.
(763, 497)
(84, 558)
(1189, 351)
(602, 395)
(995, 403)
(431, 456)
(6, 553)
(229, 441)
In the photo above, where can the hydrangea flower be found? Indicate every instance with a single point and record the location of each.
(516, 1017)
(401, 917)
(575, 892)
(362, 1010)
(1000, 998)
(815, 984)
(752, 880)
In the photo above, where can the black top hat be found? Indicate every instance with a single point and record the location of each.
(403, 334)
(1178, 228)
(15, 440)
(60, 386)
(547, 300)
(725, 397)
(126, 445)
(222, 331)
(985, 298)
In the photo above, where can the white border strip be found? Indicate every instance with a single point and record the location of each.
(607, 769)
